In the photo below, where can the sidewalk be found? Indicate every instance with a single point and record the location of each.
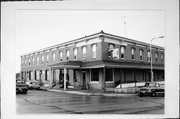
(88, 92)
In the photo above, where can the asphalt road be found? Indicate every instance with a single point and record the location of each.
(46, 102)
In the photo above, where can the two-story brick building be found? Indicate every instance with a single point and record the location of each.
(96, 61)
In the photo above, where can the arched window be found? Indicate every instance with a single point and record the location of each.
(141, 55)
(60, 55)
(133, 53)
(47, 58)
(54, 56)
(84, 52)
(29, 61)
(94, 47)
(148, 56)
(33, 60)
(42, 59)
(75, 53)
(67, 54)
(122, 52)
(37, 60)
(162, 57)
(156, 56)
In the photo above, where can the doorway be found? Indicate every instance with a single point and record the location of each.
(84, 76)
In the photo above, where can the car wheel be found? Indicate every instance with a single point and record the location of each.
(140, 94)
(25, 91)
(153, 94)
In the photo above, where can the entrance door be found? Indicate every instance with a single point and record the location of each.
(84, 73)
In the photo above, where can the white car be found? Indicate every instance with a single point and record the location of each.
(33, 85)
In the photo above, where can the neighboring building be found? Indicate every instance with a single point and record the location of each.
(94, 62)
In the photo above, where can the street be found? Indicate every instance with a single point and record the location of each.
(47, 102)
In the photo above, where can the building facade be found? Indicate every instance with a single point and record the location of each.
(97, 61)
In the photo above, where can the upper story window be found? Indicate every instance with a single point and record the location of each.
(133, 53)
(67, 54)
(162, 57)
(141, 55)
(29, 61)
(60, 55)
(42, 58)
(156, 56)
(33, 59)
(37, 60)
(111, 46)
(47, 58)
(94, 48)
(54, 56)
(122, 52)
(75, 53)
(84, 52)
(22, 61)
(148, 56)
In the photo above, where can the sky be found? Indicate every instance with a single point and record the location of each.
(37, 29)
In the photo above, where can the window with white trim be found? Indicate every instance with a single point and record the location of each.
(133, 53)
(37, 60)
(60, 55)
(29, 61)
(42, 59)
(156, 56)
(162, 57)
(148, 56)
(109, 75)
(75, 53)
(47, 58)
(95, 75)
(33, 60)
(67, 54)
(94, 50)
(84, 52)
(54, 56)
(141, 54)
(122, 52)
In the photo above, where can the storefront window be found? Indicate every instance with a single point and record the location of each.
(95, 75)
(109, 75)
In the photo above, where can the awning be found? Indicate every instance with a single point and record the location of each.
(69, 64)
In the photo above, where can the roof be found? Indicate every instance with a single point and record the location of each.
(101, 33)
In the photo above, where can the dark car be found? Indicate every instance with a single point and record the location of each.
(151, 88)
(21, 87)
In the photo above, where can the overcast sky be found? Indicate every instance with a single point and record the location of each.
(36, 29)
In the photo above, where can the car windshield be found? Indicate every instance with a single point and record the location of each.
(146, 85)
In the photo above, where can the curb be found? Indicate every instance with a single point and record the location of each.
(90, 94)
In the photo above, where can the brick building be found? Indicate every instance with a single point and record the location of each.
(96, 61)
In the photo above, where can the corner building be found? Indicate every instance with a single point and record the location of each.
(97, 61)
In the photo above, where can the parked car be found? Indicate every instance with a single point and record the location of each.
(21, 86)
(33, 85)
(151, 88)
